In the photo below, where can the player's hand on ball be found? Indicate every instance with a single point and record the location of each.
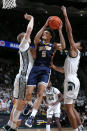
(46, 24)
(61, 26)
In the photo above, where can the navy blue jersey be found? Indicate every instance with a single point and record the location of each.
(44, 54)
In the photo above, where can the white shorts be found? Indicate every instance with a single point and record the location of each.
(71, 89)
(54, 110)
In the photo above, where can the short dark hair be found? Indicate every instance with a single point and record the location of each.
(83, 44)
(52, 33)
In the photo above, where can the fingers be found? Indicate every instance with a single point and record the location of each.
(63, 8)
(28, 17)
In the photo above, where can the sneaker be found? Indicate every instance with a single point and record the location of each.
(82, 129)
(6, 127)
(29, 122)
(12, 129)
(27, 110)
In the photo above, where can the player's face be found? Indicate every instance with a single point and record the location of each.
(49, 85)
(46, 36)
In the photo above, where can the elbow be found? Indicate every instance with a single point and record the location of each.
(36, 40)
(62, 71)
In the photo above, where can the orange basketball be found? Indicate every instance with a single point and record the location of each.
(54, 22)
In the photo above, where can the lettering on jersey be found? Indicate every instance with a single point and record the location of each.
(50, 96)
(71, 86)
(41, 48)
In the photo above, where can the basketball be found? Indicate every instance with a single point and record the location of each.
(54, 22)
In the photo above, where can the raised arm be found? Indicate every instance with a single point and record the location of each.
(61, 45)
(30, 25)
(39, 34)
(68, 28)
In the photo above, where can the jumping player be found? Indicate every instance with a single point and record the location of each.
(26, 63)
(40, 73)
(53, 97)
(71, 82)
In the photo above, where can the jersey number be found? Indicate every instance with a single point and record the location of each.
(51, 98)
(43, 53)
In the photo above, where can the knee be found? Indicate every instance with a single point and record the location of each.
(40, 94)
(68, 111)
(28, 95)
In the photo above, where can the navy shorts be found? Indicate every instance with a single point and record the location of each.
(39, 75)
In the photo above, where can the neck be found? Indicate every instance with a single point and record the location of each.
(47, 41)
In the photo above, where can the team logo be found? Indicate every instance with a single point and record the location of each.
(2, 43)
(71, 86)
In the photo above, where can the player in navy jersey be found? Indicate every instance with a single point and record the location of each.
(40, 73)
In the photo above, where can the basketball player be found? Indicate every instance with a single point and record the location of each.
(40, 73)
(53, 97)
(26, 63)
(71, 82)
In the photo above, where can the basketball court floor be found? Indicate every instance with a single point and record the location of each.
(53, 129)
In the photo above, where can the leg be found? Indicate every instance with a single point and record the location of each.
(80, 126)
(36, 106)
(41, 89)
(71, 115)
(48, 124)
(58, 124)
(29, 90)
(19, 106)
(77, 116)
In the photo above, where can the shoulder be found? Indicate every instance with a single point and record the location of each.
(56, 90)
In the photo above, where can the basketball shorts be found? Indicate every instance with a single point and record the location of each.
(71, 89)
(54, 111)
(39, 75)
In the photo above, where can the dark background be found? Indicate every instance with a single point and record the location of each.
(12, 21)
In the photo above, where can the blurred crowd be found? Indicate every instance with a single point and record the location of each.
(7, 76)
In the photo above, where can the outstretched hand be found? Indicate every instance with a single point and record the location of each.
(27, 17)
(63, 8)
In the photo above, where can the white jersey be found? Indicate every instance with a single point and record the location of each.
(51, 95)
(25, 57)
(71, 82)
(71, 65)
(26, 64)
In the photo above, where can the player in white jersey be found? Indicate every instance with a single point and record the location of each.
(26, 63)
(71, 82)
(53, 97)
